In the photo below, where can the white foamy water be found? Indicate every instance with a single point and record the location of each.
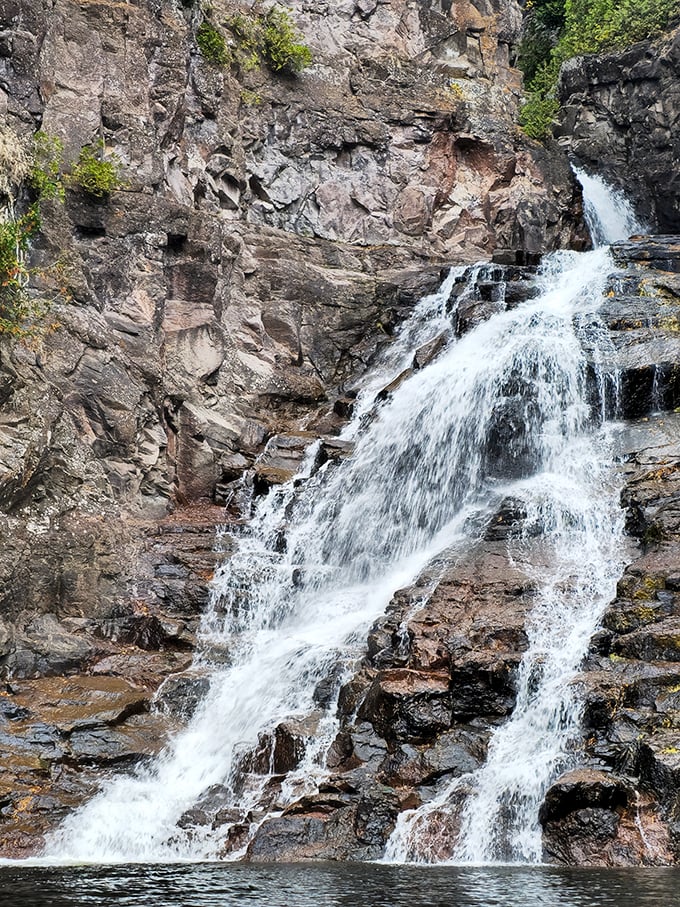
(609, 214)
(575, 507)
(502, 410)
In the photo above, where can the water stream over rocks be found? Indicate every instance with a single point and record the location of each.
(512, 407)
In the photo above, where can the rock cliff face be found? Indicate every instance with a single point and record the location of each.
(270, 230)
(270, 233)
(619, 117)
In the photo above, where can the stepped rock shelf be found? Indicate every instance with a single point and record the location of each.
(437, 678)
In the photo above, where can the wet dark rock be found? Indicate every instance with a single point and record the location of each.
(630, 684)
(408, 705)
(453, 753)
(617, 116)
(388, 643)
(335, 450)
(583, 789)
(328, 687)
(290, 838)
(474, 312)
(281, 458)
(329, 826)
(376, 817)
(507, 520)
(482, 686)
(212, 808)
(641, 311)
(385, 392)
(510, 445)
(45, 648)
(600, 836)
(64, 732)
(430, 350)
(660, 253)
(130, 744)
(581, 837)
(144, 631)
(659, 642)
(181, 695)
(659, 765)
(290, 742)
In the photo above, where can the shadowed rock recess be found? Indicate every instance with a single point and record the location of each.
(211, 317)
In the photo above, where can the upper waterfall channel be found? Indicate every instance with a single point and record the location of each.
(324, 554)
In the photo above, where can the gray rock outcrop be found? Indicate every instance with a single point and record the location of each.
(619, 117)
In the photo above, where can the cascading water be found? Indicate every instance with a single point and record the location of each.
(608, 212)
(323, 556)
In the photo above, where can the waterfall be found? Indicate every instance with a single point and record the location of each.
(574, 504)
(582, 523)
(323, 555)
(609, 214)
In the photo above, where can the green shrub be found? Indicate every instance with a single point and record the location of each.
(557, 30)
(98, 177)
(44, 175)
(16, 307)
(211, 44)
(281, 47)
(20, 312)
(544, 20)
(594, 25)
(271, 39)
(250, 98)
(537, 114)
(247, 32)
(15, 234)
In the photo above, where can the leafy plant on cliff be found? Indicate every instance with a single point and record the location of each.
(269, 38)
(97, 176)
(557, 30)
(16, 307)
(212, 45)
(537, 114)
(594, 25)
(543, 24)
(38, 165)
(247, 39)
(280, 45)
(45, 172)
